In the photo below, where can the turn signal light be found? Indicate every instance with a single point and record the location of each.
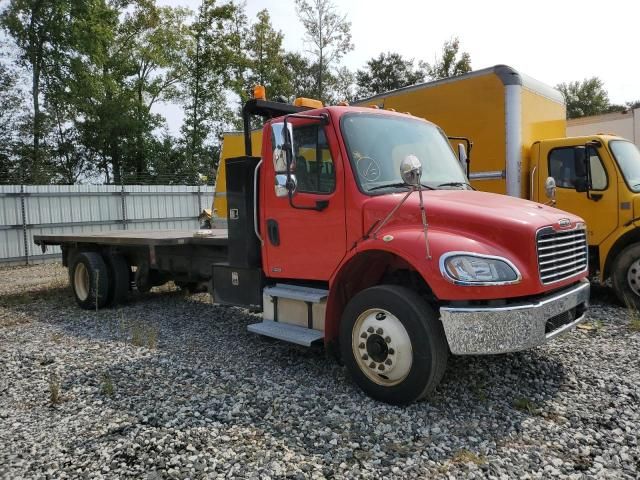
(374, 106)
(307, 102)
(259, 92)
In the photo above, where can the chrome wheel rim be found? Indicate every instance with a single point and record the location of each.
(381, 347)
(81, 281)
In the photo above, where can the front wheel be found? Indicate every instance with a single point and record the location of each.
(625, 276)
(393, 344)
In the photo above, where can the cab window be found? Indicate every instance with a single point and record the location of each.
(315, 172)
(562, 168)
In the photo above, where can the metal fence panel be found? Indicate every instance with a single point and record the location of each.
(31, 210)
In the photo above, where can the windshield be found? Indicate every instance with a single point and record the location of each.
(378, 143)
(628, 158)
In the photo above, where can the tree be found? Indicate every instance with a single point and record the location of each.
(265, 55)
(213, 50)
(451, 63)
(387, 72)
(11, 102)
(328, 35)
(585, 98)
(40, 31)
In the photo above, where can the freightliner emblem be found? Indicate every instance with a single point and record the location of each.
(564, 222)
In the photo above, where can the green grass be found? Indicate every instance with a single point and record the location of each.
(107, 387)
(634, 316)
(55, 396)
(466, 456)
(525, 405)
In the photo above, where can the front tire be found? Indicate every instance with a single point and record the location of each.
(89, 279)
(393, 344)
(625, 276)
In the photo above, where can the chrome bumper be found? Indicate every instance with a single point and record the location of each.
(487, 330)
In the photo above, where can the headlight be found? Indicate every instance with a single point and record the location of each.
(471, 269)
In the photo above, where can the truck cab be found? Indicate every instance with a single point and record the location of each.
(598, 178)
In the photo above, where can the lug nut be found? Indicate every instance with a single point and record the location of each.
(370, 329)
(391, 351)
(372, 365)
(365, 357)
(363, 335)
(379, 331)
(361, 345)
(380, 367)
(387, 339)
(388, 361)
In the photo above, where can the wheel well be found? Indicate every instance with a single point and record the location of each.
(365, 270)
(632, 236)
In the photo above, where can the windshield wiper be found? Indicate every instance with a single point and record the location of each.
(456, 184)
(397, 185)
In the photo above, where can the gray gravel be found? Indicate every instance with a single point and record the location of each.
(171, 386)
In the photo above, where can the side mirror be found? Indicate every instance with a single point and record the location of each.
(581, 169)
(282, 187)
(462, 155)
(411, 170)
(550, 189)
(288, 147)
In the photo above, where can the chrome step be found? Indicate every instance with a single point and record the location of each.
(287, 332)
(295, 292)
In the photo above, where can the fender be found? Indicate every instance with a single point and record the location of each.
(403, 248)
(613, 245)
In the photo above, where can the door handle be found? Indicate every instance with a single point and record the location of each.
(595, 196)
(273, 232)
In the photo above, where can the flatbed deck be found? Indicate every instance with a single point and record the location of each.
(213, 237)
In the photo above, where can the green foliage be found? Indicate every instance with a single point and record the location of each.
(386, 72)
(451, 63)
(328, 38)
(585, 98)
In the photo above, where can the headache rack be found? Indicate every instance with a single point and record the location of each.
(561, 254)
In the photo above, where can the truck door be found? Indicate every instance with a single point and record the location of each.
(299, 242)
(599, 207)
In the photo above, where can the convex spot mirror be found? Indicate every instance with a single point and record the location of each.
(411, 170)
(550, 188)
(282, 187)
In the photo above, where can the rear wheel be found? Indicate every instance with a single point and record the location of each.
(89, 280)
(625, 276)
(393, 344)
(120, 277)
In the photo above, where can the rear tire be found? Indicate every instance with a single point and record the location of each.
(625, 276)
(120, 276)
(393, 344)
(89, 278)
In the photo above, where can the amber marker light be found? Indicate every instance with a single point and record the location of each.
(259, 92)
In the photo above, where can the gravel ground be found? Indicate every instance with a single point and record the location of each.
(170, 386)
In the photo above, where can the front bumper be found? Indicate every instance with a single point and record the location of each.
(487, 330)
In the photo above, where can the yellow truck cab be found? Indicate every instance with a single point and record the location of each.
(518, 129)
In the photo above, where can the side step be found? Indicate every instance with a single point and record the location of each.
(296, 292)
(287, 332)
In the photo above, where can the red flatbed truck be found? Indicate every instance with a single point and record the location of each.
(357, 227)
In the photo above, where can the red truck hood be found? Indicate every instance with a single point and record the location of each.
(488, 215)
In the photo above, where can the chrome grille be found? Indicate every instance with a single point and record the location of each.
(561, 254)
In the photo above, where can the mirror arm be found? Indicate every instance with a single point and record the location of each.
(469, 147)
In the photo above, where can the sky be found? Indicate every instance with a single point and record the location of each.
(551, 41)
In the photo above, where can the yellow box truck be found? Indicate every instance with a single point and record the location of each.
(518, 129)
